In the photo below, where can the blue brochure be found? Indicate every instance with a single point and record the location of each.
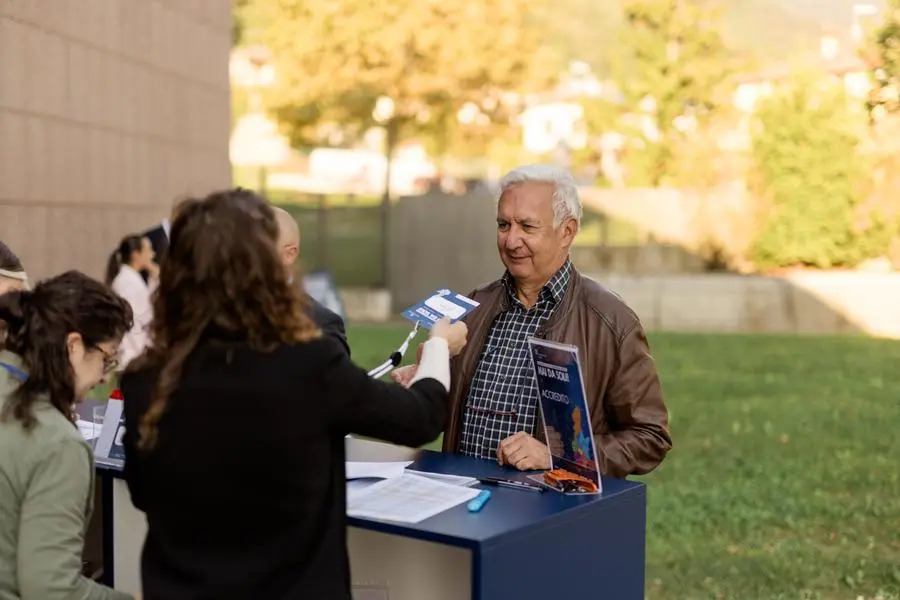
(443, 303)
(564, 409)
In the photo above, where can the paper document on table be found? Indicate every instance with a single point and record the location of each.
(89, 430)
(355, 487)
(462, 480)
(375, 470)
(407, 499)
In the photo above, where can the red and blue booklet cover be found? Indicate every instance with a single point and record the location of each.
(566, 418)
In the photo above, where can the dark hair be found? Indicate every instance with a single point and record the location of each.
(221, 275)
(38, 323)
(9, 261)
(122, 256)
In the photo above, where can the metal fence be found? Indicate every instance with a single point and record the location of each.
(434, 237)
(340, 233)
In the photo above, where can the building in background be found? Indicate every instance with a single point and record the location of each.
(108, 113)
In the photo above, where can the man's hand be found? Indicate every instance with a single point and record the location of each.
(455, 335)
(523, 452)
(404, 375)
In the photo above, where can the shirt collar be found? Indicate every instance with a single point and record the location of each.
(553, 290)
(167, 227)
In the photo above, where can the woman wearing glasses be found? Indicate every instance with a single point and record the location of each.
(61, 340)
(235, 418)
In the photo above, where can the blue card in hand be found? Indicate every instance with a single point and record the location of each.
(443, 303)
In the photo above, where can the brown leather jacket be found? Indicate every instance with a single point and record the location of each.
(628, 416)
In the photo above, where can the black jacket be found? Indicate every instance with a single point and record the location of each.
(329, 322)
(159, 240)
(245, 493)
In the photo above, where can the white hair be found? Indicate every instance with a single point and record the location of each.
(566, 203)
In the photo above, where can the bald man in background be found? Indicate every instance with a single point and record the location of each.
(289, 249)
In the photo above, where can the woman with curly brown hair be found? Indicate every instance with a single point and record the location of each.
(61, 341)
(236, 417)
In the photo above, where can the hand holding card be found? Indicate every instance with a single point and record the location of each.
(455, 334)
(443, 303)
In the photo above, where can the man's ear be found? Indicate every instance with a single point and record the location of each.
(569, 229)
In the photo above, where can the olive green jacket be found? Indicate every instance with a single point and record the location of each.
(46, 498)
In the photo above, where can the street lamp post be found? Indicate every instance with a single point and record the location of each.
(384, 116)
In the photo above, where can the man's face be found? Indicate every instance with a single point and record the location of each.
(531, 248)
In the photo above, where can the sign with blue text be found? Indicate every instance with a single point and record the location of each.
(443, 303)
(564, 408)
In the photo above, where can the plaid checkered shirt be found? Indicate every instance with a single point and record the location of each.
(503, 396)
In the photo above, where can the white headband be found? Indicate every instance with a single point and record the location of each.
(17, 275)
(20, 275)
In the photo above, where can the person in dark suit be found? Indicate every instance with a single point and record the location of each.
(289, 249)
(159, 241)
(159, 238)
(236, 416)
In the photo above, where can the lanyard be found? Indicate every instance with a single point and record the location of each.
(388, 365)
(14, 371)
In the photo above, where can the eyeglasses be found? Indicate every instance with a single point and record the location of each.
(110, 361)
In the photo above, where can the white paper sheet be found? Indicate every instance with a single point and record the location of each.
(356, 487)
(89, 430)
(375, 470)
(445, 478)
(409, 498)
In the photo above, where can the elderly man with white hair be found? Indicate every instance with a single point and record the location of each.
(493, 396)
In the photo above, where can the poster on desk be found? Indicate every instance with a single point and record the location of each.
(564, 408)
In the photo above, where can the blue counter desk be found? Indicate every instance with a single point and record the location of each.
(522, 545)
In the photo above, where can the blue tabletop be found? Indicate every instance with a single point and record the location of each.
(509, 514)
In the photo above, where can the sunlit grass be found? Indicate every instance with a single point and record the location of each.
(784, 481)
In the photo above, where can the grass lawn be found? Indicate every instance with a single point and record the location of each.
(784, 482)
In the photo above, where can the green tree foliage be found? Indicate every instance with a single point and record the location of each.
(812, 181)
(885, 52)
(238, 23)
(673, 65)
(334, 60)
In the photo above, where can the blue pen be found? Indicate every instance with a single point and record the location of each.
(478, 502)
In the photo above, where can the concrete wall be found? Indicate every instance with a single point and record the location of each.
(652, 259)
(441, 240)
(826, 303)
(809, 303)
(680, 217)
(109, 111)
